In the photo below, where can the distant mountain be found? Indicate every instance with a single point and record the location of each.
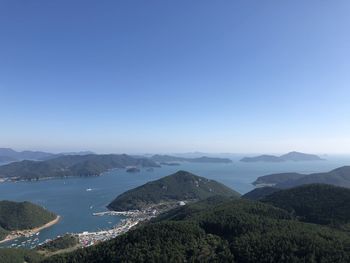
(300, 157)
(71, 165)
(262, 158)
(6, 159)
(338, 177)
(179, 186)
(203, 159)
(22, 216)
(78, 153)
(314, 203)
(292, 156)
(24, 155)
(260, 193)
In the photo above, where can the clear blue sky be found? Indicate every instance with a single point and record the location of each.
(175, 76)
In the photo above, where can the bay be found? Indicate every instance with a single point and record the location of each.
(73, 200)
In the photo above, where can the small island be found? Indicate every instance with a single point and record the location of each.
(132, 170)
(23, 219)
(291, 156)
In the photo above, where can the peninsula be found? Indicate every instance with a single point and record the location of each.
(23, 219)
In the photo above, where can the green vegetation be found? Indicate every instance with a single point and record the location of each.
(315, 203)
(221, 230)
(16, 255)
(338, 177)
(64, 242)
(3, 233)
(303, 224)
(260, 192)
(176, 187)
(276, 179)
(23, 215)
(71, 165)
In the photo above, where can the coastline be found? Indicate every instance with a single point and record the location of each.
(29, 232)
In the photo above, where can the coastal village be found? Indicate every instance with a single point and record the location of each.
(86, 238)
(133, 218)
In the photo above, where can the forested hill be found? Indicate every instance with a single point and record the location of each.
(221, 230)
(71, 165)
(22, 215)
(176, 187)
(314, 203)
(260, 192)
(338, 177)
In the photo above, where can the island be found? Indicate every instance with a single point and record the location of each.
(23, 219)
(71, 165)
(262, 158)
(291, 156)
(170, 164)
(204, 159)
(132, 170)
(337, 177)
(172, 189)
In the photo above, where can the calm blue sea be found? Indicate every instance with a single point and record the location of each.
(70, 199)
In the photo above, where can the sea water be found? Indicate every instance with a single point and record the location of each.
(76, 199)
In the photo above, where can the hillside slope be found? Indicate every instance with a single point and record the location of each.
(21, 216)
(314, 203)
(176, 187)
(221, 231)
(338, 177)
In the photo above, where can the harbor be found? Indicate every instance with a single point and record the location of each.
(133, 218)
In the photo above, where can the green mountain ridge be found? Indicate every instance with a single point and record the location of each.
(176, 187)
(337, 177)
(71, 165)
(314, 203)
(260, 192)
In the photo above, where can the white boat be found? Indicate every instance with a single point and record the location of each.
(88, 189)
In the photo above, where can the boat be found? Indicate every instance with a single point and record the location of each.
(88, 189)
